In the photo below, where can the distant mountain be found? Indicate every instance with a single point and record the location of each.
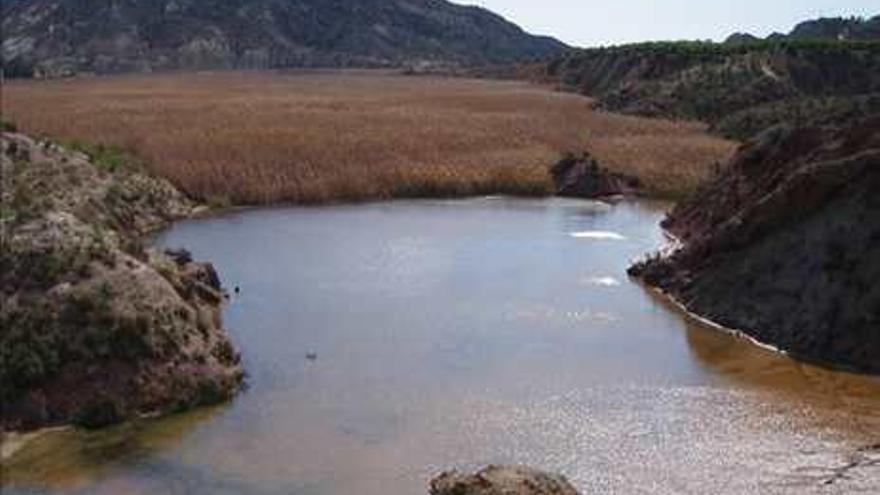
(61, 37)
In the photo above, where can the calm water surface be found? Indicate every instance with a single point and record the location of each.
(462, 333)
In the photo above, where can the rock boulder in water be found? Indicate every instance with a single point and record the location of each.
(583, 177)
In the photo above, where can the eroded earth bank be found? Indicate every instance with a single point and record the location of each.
(785, 244)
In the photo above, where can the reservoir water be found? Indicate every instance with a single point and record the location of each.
(387, 342)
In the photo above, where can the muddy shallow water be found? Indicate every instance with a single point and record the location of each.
(388, 341)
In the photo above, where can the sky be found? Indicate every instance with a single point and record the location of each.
(589, 23)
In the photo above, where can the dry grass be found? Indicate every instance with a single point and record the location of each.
(251, 137)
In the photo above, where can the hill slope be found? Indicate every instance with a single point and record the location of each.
(825, 28)
(824, 71)
(52, 37)
(729, 86)
(838, 28)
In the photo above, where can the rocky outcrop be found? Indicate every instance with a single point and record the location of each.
(49, 38)
(94, 327)
(785, 244)
(581, 176)
(501, 480)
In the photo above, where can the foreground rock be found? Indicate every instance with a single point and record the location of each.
(785, 244)
(501, 480)
(583, 177)
(93, 327)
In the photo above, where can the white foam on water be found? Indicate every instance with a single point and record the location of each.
(598, 234)
(603, 281)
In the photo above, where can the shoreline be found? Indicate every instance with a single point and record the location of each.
(667, 250)
(11, 442)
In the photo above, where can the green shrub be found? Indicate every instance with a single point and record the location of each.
(29, 347)
(107, 158)
(6, 126)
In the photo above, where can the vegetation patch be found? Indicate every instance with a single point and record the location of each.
(107, 158)
(6, 126)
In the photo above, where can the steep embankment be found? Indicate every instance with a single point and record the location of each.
(47, 38)
(738, 88)
(93, 327)
(785, 244)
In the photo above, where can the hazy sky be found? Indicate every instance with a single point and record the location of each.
(595, 22)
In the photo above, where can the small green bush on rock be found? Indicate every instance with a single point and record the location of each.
(107, 158)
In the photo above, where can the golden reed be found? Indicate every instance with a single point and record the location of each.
(261, 137)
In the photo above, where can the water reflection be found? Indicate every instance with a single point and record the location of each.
(740, 359)
(827, 398)
(73, 458)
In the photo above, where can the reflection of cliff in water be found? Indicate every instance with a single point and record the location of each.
(73, 458)
(737, 358)
(845, 402)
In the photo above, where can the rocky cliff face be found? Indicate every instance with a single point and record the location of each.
(54, 38)
(93, 327)
(785, 244)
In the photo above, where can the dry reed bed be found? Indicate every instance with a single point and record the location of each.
(260, 137)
